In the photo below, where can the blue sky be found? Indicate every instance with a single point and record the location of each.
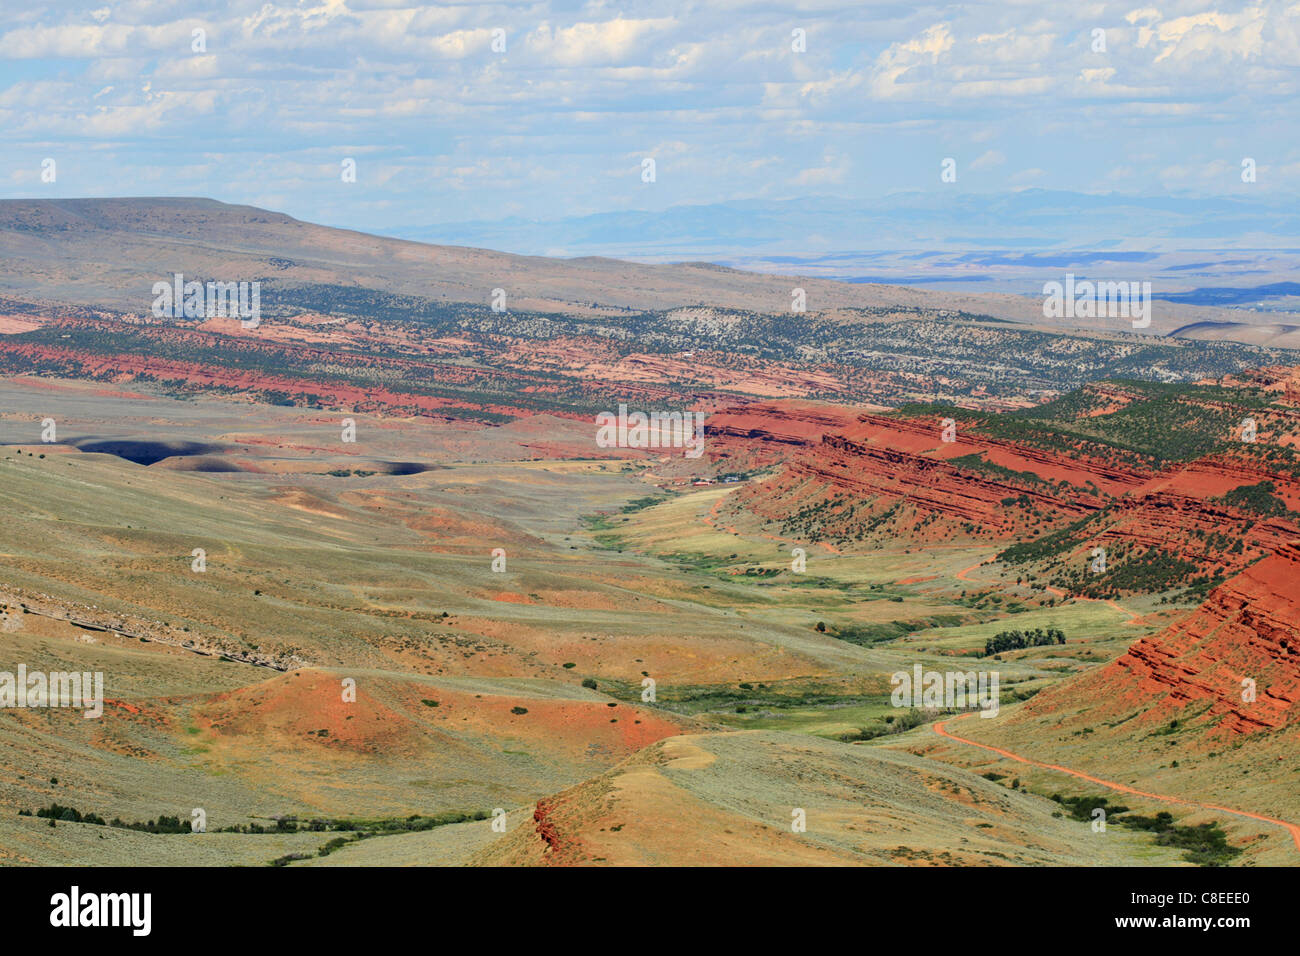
(444, 129)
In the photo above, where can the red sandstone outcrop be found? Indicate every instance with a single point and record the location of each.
(764, 433)
(903, 471)
(1248, 630)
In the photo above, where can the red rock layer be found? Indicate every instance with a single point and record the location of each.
(1247, 629)
(764, 433)
(881, 461)
(878, 462)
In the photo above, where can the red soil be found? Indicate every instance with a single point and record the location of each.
(510, 597)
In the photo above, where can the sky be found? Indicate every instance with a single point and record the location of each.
(546, 110)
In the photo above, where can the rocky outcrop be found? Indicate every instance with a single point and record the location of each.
(1237, 657)
(884, 474)
(326, 384)
(743, 437)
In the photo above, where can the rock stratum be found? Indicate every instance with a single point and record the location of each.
(1157, 476)
(1234, 662)
(349, 320)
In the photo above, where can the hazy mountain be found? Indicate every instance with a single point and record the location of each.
(108, 253)
(943, 219)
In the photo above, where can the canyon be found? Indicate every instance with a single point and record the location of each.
(887, 483)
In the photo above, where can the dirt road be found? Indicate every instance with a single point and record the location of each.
(942, 731)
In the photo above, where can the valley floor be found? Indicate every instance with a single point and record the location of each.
(372, 663)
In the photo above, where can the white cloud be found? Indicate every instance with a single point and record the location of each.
(988, 160)
(585, 89)
(613, 42)
(834, 169)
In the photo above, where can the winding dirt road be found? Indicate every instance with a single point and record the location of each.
(1292, 828)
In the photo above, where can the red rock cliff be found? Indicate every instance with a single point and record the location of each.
(1248, 628)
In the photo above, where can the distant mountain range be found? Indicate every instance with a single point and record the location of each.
(109, 254)
(1030, 220)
